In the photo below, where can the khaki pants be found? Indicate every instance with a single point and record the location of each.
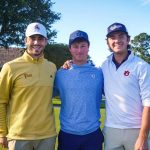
(120, 139)
(43, 144)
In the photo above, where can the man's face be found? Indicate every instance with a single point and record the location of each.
(35, 45)
(79, 52)
(118, 42)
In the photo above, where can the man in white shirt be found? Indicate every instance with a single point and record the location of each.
(127, 92)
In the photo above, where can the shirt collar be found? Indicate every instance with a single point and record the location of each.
(119, 64)
(27, 57)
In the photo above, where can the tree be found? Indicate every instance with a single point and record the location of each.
(15, 15)
(141, 46)
(57, 53)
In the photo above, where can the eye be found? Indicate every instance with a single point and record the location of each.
(112, 38)
(32, 38)
(40, 38)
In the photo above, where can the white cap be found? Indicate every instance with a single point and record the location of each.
(36, 28)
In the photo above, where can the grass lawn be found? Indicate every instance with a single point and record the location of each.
(57, 109)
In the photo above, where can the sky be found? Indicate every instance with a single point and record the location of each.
(94, 16)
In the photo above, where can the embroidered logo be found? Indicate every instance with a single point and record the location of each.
(126, 73)
(26, 75)
(36, 28)
(115, 27)
(93, 76)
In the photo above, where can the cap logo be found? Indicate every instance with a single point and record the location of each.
(79, 34)
(115, 27)
(36, 27)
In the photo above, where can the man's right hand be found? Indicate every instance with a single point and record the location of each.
(4, 142)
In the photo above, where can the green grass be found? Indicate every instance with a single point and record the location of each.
(57, 102)
(57, 110)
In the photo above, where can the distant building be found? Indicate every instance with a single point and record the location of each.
(9, 54)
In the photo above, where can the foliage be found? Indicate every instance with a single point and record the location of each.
(141, 46)
(15, 15)
(57, 53)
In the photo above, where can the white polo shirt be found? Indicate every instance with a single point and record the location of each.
(127, 90)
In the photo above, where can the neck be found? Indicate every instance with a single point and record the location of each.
(119, 57)
(79, 62)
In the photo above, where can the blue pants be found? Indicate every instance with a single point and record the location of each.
(92, 141)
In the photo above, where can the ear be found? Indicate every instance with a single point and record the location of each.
(46, 41)
(107, 41)
(128, 39)
(25, 40)
(69, 46)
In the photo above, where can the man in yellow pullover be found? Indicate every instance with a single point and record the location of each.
(26, 83)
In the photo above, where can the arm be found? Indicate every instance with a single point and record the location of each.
(3, 129)
(4, 97)
(144, 84)
(142, 142)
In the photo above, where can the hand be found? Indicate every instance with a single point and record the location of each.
(67, 64)
(4, 142)
(141, 144)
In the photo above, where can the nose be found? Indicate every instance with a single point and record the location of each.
(79, 49)
(35, 41)
(117, 40)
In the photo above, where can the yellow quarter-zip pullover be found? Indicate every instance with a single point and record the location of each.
(26, 110)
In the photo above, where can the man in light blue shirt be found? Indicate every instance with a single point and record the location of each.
(80, 89)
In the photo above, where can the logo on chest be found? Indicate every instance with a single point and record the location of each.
(26, 75)
(126, 73)
(93, 76)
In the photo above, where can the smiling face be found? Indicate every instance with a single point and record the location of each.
(118, 42)
(35, 45)
(79, 52)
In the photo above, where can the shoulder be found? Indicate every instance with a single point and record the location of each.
(107, 61)
(12, 63)
(61, 70)
(97, 69)
(139, 62)
(16, 60)
(51, 64)
(138, 66)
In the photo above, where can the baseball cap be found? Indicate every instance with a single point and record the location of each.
(115, 27)
(36, 28)
(78, 34)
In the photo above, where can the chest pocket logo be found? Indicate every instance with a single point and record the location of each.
(26, 75)
(126, 73)
(93, 76)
